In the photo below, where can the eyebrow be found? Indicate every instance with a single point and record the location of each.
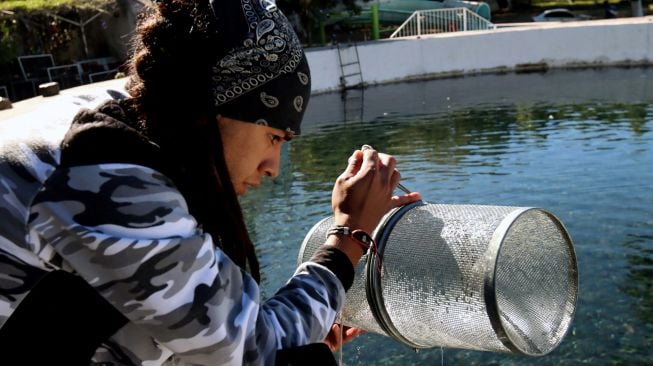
(288, 135)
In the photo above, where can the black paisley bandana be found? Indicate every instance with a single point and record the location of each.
(264, 77)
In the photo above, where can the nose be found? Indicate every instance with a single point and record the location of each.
(270, 165)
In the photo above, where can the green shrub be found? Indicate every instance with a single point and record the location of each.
(40, 5)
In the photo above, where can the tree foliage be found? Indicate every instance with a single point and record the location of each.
(40, 5)
(309, 12)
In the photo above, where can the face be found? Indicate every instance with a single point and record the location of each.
(251, 152)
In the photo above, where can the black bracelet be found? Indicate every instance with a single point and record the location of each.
(360, 236)
(338, 230)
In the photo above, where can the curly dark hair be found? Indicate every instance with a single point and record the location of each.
(176, 46)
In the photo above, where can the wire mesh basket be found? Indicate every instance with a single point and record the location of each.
(490, 278)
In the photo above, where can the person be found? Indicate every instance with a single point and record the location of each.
(122, 240)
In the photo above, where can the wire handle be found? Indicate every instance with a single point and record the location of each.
(400, 186)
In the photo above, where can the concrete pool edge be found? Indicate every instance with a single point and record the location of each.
(623, 42)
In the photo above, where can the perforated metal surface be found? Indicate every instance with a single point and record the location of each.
(356, 312)
(477, 277)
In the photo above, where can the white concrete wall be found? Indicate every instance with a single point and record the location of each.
(627, 41)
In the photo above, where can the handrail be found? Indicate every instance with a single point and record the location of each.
(433, 21)
(405, 24)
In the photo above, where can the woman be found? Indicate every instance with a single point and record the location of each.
(124, 241)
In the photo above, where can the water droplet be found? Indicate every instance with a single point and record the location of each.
(441, 356)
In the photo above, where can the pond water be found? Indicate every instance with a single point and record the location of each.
(577, 143)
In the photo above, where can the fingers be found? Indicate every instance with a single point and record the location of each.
(370, 162)
(361, 163)
(395, 178)
(351, 333)
(364, 192)
(341, 334)
(378, 163)
(387, 170)
(354, 163)
(405, 199)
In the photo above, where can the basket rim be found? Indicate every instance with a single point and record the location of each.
(489, 287)
(373, 274)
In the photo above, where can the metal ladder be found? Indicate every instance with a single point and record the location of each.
(353, 102)
(350, 67)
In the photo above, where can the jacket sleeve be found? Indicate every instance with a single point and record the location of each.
(126, 230)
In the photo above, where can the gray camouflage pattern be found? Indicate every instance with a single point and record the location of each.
(126, 230)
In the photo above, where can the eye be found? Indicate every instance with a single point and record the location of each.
(275, 139)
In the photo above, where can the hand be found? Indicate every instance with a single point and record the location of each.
(333, 339)
(363, 193)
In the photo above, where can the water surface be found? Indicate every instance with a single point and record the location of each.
(577, 143)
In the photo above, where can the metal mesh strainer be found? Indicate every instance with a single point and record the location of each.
(490, 278)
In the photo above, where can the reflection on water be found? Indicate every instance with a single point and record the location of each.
(577, 143)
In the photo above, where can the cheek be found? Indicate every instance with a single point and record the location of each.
(230, 158)
(245, 165)
(237, 166)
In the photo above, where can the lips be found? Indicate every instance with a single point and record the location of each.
(247, 186)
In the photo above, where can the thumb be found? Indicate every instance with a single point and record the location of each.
(397, 201)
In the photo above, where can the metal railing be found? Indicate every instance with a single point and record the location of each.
(67, 76)
(441, 21)
(102, 75)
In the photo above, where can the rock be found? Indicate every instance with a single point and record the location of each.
(4, 103)
(49, 89)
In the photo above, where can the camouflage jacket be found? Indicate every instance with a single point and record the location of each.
(125, 229)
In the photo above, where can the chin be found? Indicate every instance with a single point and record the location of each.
(239, 189)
